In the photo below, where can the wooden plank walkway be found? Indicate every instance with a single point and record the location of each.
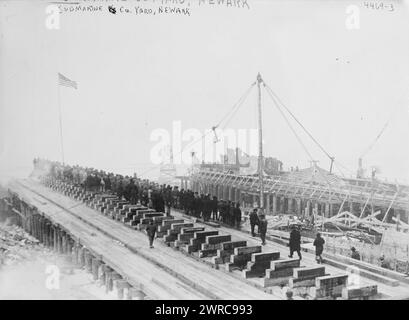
(188, 275)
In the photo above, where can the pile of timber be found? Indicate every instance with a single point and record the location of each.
(220, 249)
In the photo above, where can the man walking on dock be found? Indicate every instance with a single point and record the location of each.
(237, 215)
(253, 221)
(295, 242)
(319, 247)
(262, 228)
(151, 232)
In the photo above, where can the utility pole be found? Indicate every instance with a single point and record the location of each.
(260, 144)
(60, 120)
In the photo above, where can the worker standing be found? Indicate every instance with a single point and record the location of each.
(151, 232)
(254, 220)
(214, 208)
(295, 242)
(262, 228)
(384, 264)
(319, 247)
(230, 213)
(237, 215)
(355, 254)
(150, 202)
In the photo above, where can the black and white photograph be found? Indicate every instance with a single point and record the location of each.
(204, 150)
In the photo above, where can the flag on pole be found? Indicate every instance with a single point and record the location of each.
(64, 81)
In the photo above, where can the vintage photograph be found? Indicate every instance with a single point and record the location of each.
(204, 150)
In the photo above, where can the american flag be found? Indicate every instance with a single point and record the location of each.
(64, 81)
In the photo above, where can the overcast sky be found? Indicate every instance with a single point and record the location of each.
(138, 73)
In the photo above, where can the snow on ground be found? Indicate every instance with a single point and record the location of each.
(30, 271)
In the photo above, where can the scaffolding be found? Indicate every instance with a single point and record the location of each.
(330, 189)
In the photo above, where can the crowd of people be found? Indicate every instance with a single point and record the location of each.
(164, 197)
(153, 195)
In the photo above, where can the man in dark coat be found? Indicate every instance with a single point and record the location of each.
(182, 200)
(237, 215)
(151, 232)
(295, 242)
(221, 208)
(168, 196)
(253, 221)
(120, 189)
(190, 203)
(132, 192)
(262, 227)
(161, 202)
(206, 208)
(229, 213)
(107, 181)
(88, 183)
(175, 197)
(194, 204)
(200, 206)
(355, 254)
(197, 208)
(214, 208)
(145, 198)
(319, 247)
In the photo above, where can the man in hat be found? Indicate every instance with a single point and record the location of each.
(384, 264)
(295, 242)
(206, 207)
(262, 228)
(355, 254)
(237, 215)
(214, 208)
(253, 221)
(221, 209)
(319, 247)
(151, 232)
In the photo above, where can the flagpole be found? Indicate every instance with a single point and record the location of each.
(60, 118)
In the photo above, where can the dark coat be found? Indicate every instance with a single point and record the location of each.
(319, 242)
(263, 226)
(151, 230)
(254, 218)
(207, 205)
(319, 245)
(237, 214)
(214, 203)
(295, 240)
(355, 255)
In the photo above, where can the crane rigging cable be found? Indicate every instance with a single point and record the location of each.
(370, 147)
(236, 106)
(376, 140)
(305, 129)
(233, 110)
(276, 103)
(300, 124)
(289, 125)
